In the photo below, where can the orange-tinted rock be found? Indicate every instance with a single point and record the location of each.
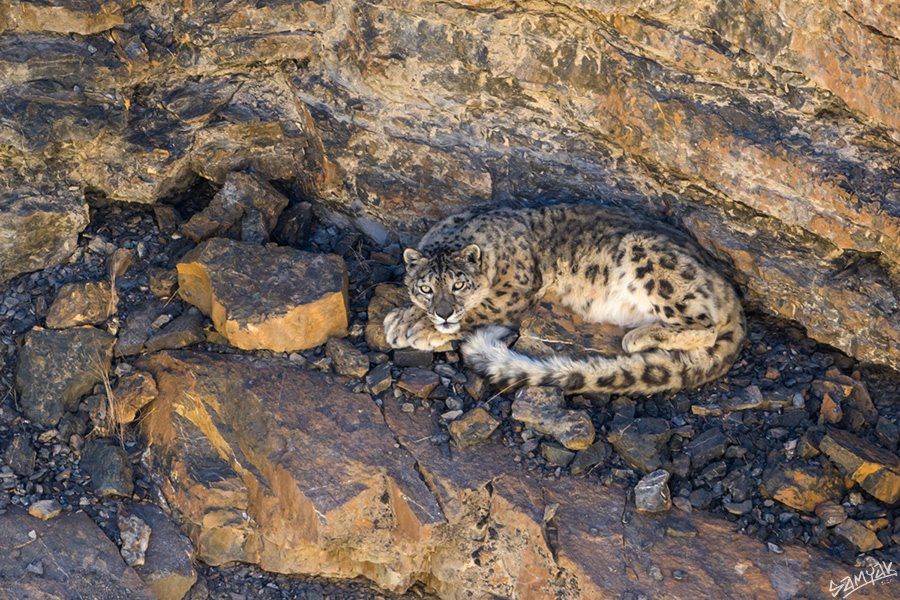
(543, 409)
(131, 393)
(266, 297)
(83, 17)
(77, 559)
(473, 427)
(857, 536)
(874, 468)
(85, 303)
(800, 485)
(266, 463)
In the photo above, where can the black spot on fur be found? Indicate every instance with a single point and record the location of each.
(592, 272)
(645, 270)
(668, 262)
(548, 380)
(649, 285)
(669, 312)
(689, 274)
(703, 317)
(605, 381)
(728, 336)
(656, 375)
(665, 289)
(605, 274)
(631, 288)
(575, 381)
(680, 307)
(638, 252)
(628, 379)
(689, 296)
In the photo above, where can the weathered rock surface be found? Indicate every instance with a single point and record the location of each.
(651, 494)
(109, 469)
(131, 393)
(346, 359)
(77, 560)
(801, 485)
(473, 427)
(640, 442)
(874, 468)
(167, 567)
(38, 229)
(245, 206)
(266, 297)
(57, 367)
(267, 463)
(543, 409)
(552, 329)
(857, 536)
(85, 303)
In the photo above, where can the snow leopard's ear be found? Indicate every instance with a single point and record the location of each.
(412, 257)
(471, 253)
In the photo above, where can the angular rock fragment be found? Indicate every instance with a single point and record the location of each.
(266, 297)
(640, 442)
(587, 459)
(410, 357)
(138, 328)
(20, 456)
(543, 409)
(651, 494)
(167, 567)
(131, 393)
(556, 455)
(831, 513)
(346, 359)
(888, 433)
(246, 205)
(57, 367)
(874, 468)
(857, 536)
(473, 427)
(109, 469)
(135, 535)
(85, 303)
(707, 447)
(38, 230)
(799, 484)
(184, 330)
(45, 509)
(163, 282)
(379, 379)
(76, 560)
(419, 382)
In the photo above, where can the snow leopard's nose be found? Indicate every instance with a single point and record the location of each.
(443, 309)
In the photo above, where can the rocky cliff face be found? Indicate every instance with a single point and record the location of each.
(768, 131)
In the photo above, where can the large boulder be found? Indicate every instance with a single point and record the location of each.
(266, 297)
(38, 229)
(268, 463)
(62, 558)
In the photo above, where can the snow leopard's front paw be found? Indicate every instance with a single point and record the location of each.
(409, 327)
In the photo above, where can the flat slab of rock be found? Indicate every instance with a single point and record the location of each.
(640, 442)
(553, 329)
(473, 427)
(83, 303)
(315, 466)
(109, 468)
(873, 468)
(266, 297)
(76, 558)
(543, 409)
(651, 494)
(38, 230)
(57, 367)
(167, 566)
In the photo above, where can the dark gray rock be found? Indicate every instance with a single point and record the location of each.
(410, 357)
(20, 456)
(887, 433)
(138, 328)
(346, 359)
(109, 469)
(651, 494)
(640, 442)
(57, 367)
(38, 229)
(556, 455)
(184, 330)
(708, 446)
(585, 460)
(379, 379)
(167, 567)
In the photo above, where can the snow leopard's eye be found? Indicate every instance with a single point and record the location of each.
(425, 289)
(459, 285)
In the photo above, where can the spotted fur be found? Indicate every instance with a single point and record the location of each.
(490, 267)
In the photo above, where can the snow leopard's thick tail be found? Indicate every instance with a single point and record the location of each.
(644, 372)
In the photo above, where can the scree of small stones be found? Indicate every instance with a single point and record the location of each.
(747, 448)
